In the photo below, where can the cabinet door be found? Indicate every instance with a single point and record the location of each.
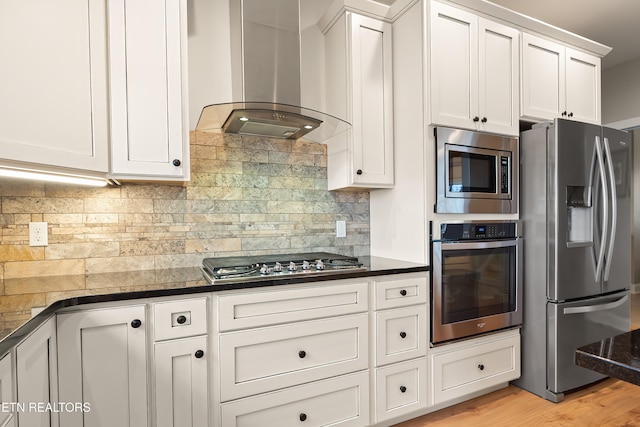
(454, 66)
(498, 67)
(358, 52)
(543, 78)
(181, 383)
(53, 83)
(400, 389)
(401, 334)
(102, 361)
(372, 100)
(7, 390)
(36, 375)
(583, 86)
(147, 41)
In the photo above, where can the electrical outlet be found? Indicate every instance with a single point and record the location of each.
(38, 234)
(341, 229)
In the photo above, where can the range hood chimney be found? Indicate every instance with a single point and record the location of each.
(265, 55)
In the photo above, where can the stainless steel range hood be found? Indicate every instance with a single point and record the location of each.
(265, 55)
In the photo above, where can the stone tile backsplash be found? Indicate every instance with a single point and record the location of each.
(247, 195)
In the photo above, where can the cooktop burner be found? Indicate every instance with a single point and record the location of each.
(264, 267)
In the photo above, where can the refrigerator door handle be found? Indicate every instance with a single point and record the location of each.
(594, 308)
(614, 209)
(605, 209)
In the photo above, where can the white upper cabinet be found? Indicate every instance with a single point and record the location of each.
(53, 83)
(474, 71)
(148, 60)
(558, 81)
(359, 90)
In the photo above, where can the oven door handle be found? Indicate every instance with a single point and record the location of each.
(483, 244)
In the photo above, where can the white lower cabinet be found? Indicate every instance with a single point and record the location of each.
(340, 401)
(103, 363)
(401, 389)
(181, 383)
(473, 365)
(401, 345)
(36, 376)
(7, 391)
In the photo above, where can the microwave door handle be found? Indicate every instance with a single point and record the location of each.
(605, 208)
(614, 209)
(594, 308)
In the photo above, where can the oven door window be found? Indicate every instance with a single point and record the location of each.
(472, 172)
(478, 283)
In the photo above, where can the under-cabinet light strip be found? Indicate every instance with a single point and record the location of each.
(53, 177)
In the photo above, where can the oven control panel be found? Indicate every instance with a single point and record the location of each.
(478, 231)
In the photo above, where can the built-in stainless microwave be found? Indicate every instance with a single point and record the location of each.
(476, 172)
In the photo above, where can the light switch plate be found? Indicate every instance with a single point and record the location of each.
(341, 229)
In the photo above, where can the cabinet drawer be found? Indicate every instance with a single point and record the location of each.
(474, 368)
(267, 359)
(401, 334)
(250, 310)
(401, 292)
(341, 401)
(179, 319)
(401, 388)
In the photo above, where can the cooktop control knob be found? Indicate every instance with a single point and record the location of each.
(277, 267)
(305, 265)
(319, 265)
(292, 266)
(265, 269)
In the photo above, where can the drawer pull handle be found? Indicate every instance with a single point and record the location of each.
(136, 323)
(199, 354)
(403, 334)
(481, 367)
(402, 389)
(403, 292)
(302, 354)
(303, 417)
(181, 319)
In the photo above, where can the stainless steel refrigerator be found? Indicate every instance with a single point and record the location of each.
(575, 209)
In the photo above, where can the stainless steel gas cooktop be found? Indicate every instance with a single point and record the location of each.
(268, 267)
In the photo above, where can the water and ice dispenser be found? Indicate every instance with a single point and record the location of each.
(579, 214)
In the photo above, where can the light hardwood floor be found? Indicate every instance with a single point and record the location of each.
(607, 403)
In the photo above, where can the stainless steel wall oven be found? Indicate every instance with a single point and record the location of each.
(476, 278)
(475, 172)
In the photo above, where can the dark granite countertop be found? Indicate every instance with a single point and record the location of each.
(617, 357)
(104, 287)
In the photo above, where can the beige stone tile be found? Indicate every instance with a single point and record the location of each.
(121, 263)
(118, 279)
(37, 205)
(179, 260)
(13, 270)
(23, 302)
(36, 285)
(83, 250)
(151, 247)
(10, 253)
(213, 245)
(62, 218)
